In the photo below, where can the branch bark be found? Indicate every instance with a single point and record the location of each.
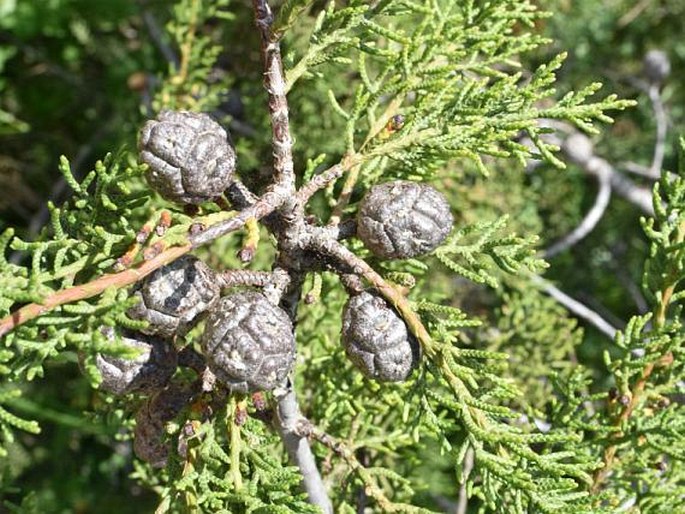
(287, 418)
(264, 206)
(274, 82)
(94, 288)
(591, 219)
(576, 307)
(654, 94)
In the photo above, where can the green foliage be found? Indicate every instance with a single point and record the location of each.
(471, 244)
(83, 240)
(197, 483)
(188, 86)
(499, 406)
(539, 337)
(9, 421)
(641, 408)
(650, 365)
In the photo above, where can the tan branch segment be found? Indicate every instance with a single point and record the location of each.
(90, 289)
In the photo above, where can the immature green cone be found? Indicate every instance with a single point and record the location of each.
(173, 298)
(402, 219)
(376, 339)
(248, 342)
(189, 156)
(149, 371)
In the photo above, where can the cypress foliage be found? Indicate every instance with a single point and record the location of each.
(425, 90)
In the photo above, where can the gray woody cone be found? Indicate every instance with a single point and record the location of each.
(149, 371)
(190, 159)
(376, 339)
(402, 219)
(151, 419)
(249, 342)
(173, 297)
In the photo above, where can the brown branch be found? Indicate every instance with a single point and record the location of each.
(244, 277)
(319, 182)
(266, 204)
(305, 428)
(635, 397)
(90, 289)
(274, 82)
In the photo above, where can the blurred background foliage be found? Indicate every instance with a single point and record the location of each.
(78, 76)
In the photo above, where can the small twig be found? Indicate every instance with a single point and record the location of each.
(274, 82)
(306, 428)
(620, 184)
(637, 195)
(287, 418)
(635, 397)
(267, 204)
(638, 388)
(240, 196)
(244, 277)
(654, 94)
(463, 498)
(591, 219)
(633, 13)
(156, 34)
(635, 168)
(345, 195)
(594, 303)
(319, 241)
(94, 288)
(264, 206)
(576, 307)
(320, 181)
